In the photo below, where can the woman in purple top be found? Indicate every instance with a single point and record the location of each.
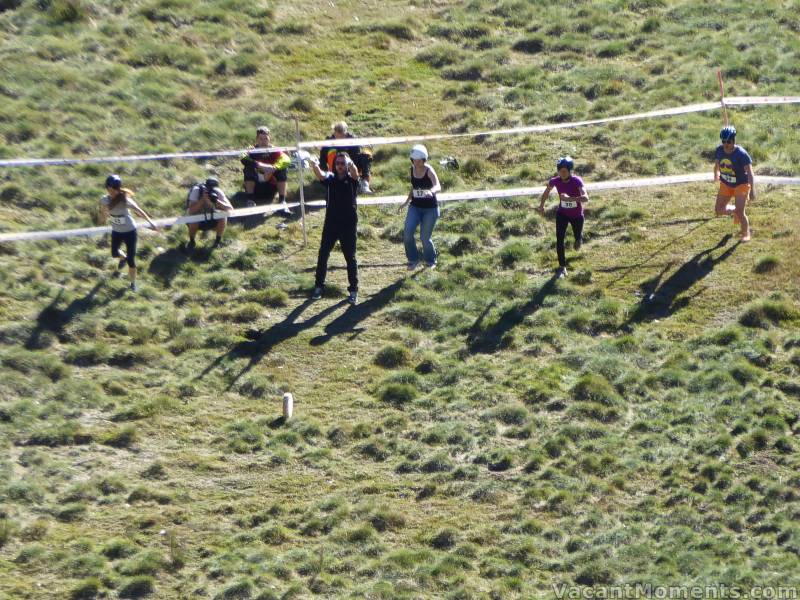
(572, 195)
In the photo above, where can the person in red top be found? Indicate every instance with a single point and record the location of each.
(265, 171)
(572, 194)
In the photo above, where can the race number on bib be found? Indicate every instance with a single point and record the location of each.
(569, 204)
(421, 193)
(118, 220)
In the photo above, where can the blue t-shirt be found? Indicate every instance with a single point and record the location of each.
(731, 166)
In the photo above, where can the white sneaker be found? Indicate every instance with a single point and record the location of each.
(353, 298)
(363, 186)
(412, 265)
(317, 294)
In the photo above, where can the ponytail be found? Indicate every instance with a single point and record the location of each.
(124, 194)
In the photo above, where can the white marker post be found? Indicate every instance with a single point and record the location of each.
(288, 405)
(300, 181)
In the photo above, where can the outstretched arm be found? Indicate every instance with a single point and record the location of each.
(139, 210)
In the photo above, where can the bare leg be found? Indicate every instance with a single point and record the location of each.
(741, 216)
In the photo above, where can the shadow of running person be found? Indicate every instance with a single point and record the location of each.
(260, 343)
(53, 320)
(660, 299)
(346, 322)
(487, 340)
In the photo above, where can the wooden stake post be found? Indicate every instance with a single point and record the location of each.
(722, 98)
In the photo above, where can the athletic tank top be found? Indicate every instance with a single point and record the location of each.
(418, 185)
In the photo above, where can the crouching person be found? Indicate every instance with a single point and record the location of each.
(205, 198)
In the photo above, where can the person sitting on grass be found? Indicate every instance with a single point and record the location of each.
(341, 221)
(572, 195)
(733, 168)
(204, 199)
(361, 156)
(115, 206)
(265, 172)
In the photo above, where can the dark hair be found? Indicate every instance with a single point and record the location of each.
(341, 153)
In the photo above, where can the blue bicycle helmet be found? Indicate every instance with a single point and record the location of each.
(727, 133)
(114, 182)
(565, 161)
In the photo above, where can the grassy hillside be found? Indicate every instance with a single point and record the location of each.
(478, 431)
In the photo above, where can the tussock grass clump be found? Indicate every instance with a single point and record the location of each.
(64, 434)
(124, 437)
(239, 590)
(510, 414)
(440, 55)
(86, 590)
(766, 264)
(529, 45)
(418, 315)
(595, 388)
(514, 252)
(444, 539)
(70, 512)
(392, 356)
(776, 312)
(138, 587)
(119, 548)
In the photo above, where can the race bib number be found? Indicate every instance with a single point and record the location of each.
(569, 204)
(421, 193)
(118, 220)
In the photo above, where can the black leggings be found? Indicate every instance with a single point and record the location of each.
(561, 232)
(345, 234)
(129, 238)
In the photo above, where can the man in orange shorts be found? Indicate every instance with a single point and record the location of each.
(733, 168)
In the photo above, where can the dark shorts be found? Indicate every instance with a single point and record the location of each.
(208, 225)
(129, 239)
(250, 174)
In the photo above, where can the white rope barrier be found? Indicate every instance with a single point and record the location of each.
(598, 186)
(382, 140)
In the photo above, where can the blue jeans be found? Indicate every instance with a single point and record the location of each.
(425, 218)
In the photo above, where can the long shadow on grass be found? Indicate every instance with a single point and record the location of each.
(261, 343)
(625, 269)
(346, 323)
(660, 298)
(489, 340)
(55, 319)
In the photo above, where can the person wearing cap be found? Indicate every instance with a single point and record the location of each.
(733, 168)
(341, 221)
(116, 206)
(265, 171)
(205, 199)
(423, 209)
(361, 156)
(571, 197)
